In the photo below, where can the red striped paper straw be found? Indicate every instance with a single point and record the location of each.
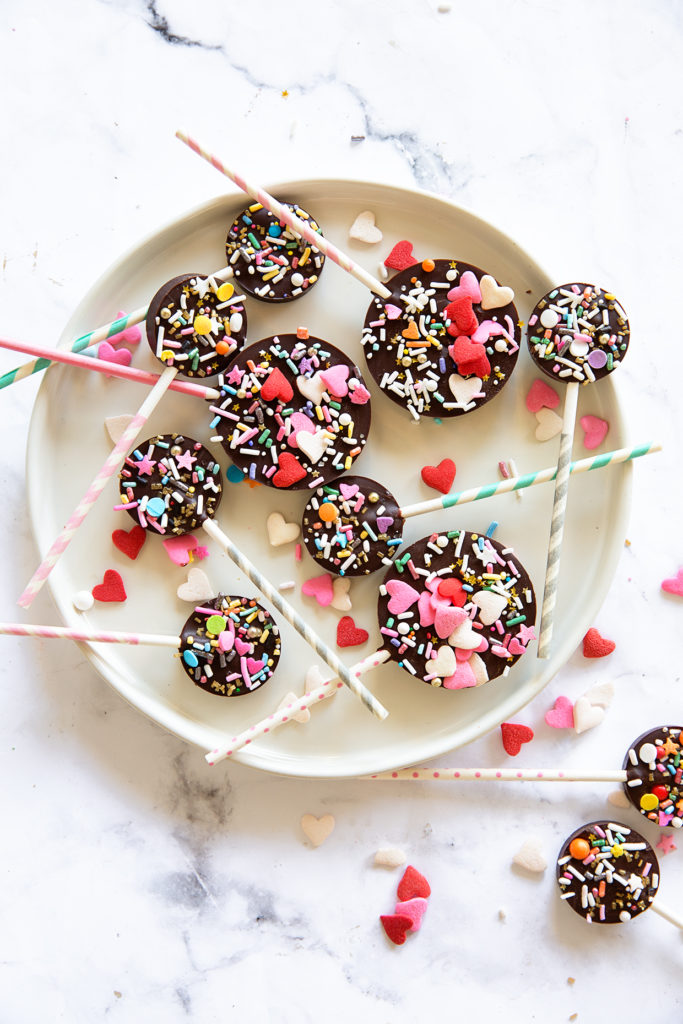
(284, 214)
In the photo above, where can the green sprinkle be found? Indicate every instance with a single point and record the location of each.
(515, 621)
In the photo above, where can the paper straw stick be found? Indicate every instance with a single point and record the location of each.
(110, 467)
(667, 913)
(286, 714)
(88, 635)
(552, 570)
(516, 483)
(303, 629)
(283, 213)
(498, 775)
(59, 355)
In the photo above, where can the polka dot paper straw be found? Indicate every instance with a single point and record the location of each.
(498, 775)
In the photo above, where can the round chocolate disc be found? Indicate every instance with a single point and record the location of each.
(196, 324)
(230, 646)
(654, 770)
(352, 526)
(607, 873)
(294, 411)
(170, 484)
(269, 260)
(456, 609)
(446, 341)
(578, 332)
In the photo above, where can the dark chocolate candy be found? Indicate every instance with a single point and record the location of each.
(654, 769)
(352, 526)
(196, 324)
(269, 260)
(578, 332)
(170, 484)
(456, 609)
(607, 872)
(446, 341)
(233, 651)
(294, 411)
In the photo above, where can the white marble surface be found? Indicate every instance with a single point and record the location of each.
(138, 884)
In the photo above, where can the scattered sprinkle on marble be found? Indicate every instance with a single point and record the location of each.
(595, 645)
(674, 585)
(587, 715)
(317, 830)
(601, 695)
(514, 735)
(561, 714)
(414, 909)
(530, 856)
(389, 857)
(413, 884)
(396, 927)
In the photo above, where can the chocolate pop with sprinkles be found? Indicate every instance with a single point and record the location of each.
(445, 342)
(230, 646)
(269, 260)
(294, 411)
(457, 609)
(196, 324)
(654, 775)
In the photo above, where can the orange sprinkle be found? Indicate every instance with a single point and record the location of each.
(328, 512)
(428, 266)
(579, 848)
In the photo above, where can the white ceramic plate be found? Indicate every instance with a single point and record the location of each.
(68, 444)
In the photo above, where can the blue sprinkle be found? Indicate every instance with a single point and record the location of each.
(190, 659)
(275, 230)
(492, 528)
(155, 507)
(234, 475)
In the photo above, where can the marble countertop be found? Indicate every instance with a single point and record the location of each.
(139, 884)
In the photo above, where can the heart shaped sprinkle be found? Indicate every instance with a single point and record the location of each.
(312, 388)
(468, 286)
(364, 228)
(594, 431)
(349, 634)
(242, 647)
(111, 355)
(443, 664)
(396, 927)
(360, 395)
(414, 909)
(319, 587)
(451, 589)
(464, 637)
(389, 857)
(314, 446)
(541, 395)
(131, 335)
(530, 856)
(393, 312)
(462, 678)
(561, 714)
(226, 640)
(470, 357)
(549, 425)
(130, 542)
(601, 695)
(490, 605)
(341, 599)
(464, 390)
(280, 531)
(317, 829)
(179, 549)
(514, 736)
(462, 316)
(197, 588)
(335, 379)
(402, 595)
(401, 256)
(447, 619)
(494, 295)
(276, 386)
(290, 471)
(439, 477)
(586, 715)
(116, 425)
(299, 421)
(111, 588)
(413, 884)
(302, 715)
(595, 645)
(384, 522)
(674, 585)
(411, 332)
(348, 490)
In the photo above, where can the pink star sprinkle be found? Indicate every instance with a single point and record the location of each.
(666, 843)
(186, 460)
(145, 465)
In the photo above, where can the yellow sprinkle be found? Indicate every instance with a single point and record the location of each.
(166, 354)
(225, 292)
(304, 258)
(255, 207)
(649, 802)
(202, 325)
(319, 412)
(271, 273)
(348, 462)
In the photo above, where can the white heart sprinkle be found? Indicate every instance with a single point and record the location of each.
(490, 605)
(586, 715)
(341, 599)
(317, 829)
(549, 424)
(314, 678)
(312, 388)
(464, 637)
(197, 587)
(618, 798)
(464, 389)
(364, 228)
(478, 666)
(300, 716)
(313, 445)
(389, 857)
(443, 664)
(601, 695)
(530, 856)
(83, 600)
(116, 425)
(280, 531)
(494, 295)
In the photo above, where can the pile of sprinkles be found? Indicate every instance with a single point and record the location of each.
(230, 646)
(353, 526)
(457, 609)
(293, 413)
(196, 324)
(654, 770)
(270, 261)
(446, 341)
(170, 484)
(578, 332)
(607, 872)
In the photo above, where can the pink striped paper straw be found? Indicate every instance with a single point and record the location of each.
(111, 466)
(283, 213)
(58, 355)
(88, 635)
(286, 714)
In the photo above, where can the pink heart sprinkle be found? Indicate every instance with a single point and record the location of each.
(360, 395)
(299, 421)
(335, 379)
(595, 431)
(319, 587)
(384, 522)
(131, 335)
(348, 490)
(541, 395)
(393, 312)
(414, 909)
(402, 595)
(561, 714)
(111, 355)
(461, 678)
(254, 667)
(226, 641)
(179, 548)
(448, 618)
(675, 585)
(426, 609)
(515, 648)
(467, 288)
(241, 647)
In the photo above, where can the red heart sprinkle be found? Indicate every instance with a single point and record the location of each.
(401, 256)
(541, 395)
(440, 477)
(514, 736)
(349, 634)
(111, 588)
(453, 589)
(290, 471)
(595, 645)
(276, 386)
(396, 926)
(470, 357)
(413, 884)
(462, 316)
(130, 542)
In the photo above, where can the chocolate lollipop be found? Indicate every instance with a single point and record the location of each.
(269, 260)
(445, 342)
(293, 412)
(654, 775)
(171, 484)
(577, 333)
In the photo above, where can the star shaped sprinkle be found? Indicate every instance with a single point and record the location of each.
(145, 465)
(186, 460)
(670, 747)
(666, 843)
(235, 375)
(526, 633)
